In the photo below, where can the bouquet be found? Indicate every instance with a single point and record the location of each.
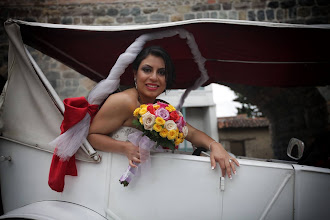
(160, 125)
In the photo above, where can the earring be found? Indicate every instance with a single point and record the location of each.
(135, 83)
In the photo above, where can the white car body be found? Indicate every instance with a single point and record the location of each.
(178, 186)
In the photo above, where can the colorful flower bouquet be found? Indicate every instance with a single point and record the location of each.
(160, 125)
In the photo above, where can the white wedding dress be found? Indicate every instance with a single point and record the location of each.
(122, 133)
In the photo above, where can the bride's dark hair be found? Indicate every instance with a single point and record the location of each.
(158, 52)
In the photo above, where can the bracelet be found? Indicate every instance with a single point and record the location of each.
(211, 144)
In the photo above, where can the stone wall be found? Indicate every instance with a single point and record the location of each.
(119, 12)
(257, 141)
(129, 12)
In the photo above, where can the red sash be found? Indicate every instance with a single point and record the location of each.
(75, 110)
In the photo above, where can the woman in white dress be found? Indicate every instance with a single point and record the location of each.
(153, 74)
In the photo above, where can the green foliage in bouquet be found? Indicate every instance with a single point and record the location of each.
(162, 123)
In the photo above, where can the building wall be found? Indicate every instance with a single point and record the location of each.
(257, 141)
(199, 110)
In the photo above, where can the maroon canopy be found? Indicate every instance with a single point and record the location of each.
(253, 53)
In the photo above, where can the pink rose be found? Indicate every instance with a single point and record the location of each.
(163, 113)
(162, 105)
(181, 123)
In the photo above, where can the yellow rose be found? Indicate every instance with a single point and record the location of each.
(141, 120)
(178, 141)
(171, 134)
(156, 107)
(180, 135)
(160, 121)
(170, 108)
(157, 127)
(143, 111)
(143, 106)
(136, 112)
(163, 133)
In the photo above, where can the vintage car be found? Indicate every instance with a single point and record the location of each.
(179, 186)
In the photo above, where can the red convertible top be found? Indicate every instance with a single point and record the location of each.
(252, 53)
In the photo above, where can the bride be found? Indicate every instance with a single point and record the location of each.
(153, 74)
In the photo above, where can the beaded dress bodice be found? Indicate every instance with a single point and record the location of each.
(122, 133)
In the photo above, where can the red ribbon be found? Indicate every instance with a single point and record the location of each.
(75, 110)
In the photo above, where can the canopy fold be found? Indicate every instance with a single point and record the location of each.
(251, 53)
(32, 112)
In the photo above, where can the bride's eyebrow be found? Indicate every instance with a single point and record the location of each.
(146, 65)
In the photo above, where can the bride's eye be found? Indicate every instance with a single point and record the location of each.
(146, 69)
(161, 72)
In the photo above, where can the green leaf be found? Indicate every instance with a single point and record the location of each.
(137, 124)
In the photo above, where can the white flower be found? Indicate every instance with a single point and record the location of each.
(185, 131)
(148, 120)
(170, 125)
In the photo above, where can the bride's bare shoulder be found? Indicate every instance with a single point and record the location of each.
(126, 98)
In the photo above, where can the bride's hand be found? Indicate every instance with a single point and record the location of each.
(226, 162)
(132, 153)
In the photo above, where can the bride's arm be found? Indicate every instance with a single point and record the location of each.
(218, 153)
(114, 113)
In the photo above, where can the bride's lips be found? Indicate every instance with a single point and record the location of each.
(151, 86)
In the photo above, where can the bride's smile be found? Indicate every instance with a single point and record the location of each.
(150, 78)
(154, 72)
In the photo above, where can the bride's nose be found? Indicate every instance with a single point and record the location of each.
(153, 76)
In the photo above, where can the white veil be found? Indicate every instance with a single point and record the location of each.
(69, 142)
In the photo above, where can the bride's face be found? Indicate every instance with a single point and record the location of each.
(150, 77)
